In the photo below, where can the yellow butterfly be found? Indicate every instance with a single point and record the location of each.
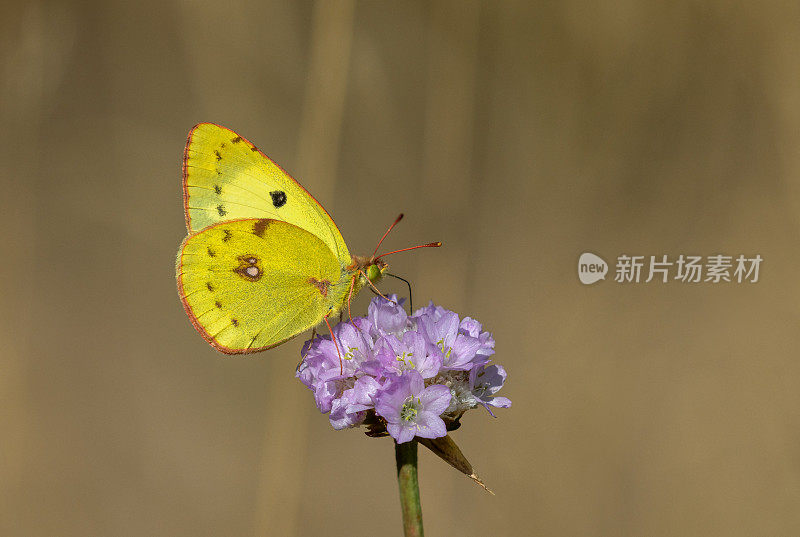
(263, 261)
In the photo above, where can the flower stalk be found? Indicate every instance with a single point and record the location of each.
(407, 481)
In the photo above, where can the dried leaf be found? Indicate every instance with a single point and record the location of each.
(447, 450)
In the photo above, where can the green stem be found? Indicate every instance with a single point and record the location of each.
(406, 456)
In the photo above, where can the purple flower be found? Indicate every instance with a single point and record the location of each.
(410, 409)
(321, 373)
(457, 349)
(387, 316)
(473, 328)
(412, 352)
(484, 382)
(405, 375)
(324, 372)
(351, 408)
(470, 326)
(431, 311)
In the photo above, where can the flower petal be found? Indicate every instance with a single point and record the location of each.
(430, 425)
(436, 398)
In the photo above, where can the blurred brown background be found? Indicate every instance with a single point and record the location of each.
(520, 134)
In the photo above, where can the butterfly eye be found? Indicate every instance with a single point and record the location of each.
(373, 273)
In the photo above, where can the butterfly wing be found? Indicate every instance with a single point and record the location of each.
(251, 284)
(226, 178)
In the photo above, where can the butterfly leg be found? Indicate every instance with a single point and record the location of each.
(350, 296)
(375, 289)
(302, 358)
(335, 344)
(349, 300)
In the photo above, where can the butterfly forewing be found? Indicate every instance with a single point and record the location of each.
(225, 177)
(251, 284)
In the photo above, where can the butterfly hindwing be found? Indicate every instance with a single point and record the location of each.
(251, 284)
(225, 177)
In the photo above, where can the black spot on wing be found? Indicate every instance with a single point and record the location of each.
(218, 304)
(235, 322)
(217, 188)
(278, 198)
(210, 287)
(227, 235)
(221, 210)
(211, 252)
(236, 140)
(219, 157)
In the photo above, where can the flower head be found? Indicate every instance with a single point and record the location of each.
(402, 375)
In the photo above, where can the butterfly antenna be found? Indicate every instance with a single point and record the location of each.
(399, 217)
(429, 245)
(410, 300)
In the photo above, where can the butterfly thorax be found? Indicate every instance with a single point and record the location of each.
(353, 278)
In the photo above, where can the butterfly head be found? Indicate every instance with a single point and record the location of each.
(376, 269)
(370, 268)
